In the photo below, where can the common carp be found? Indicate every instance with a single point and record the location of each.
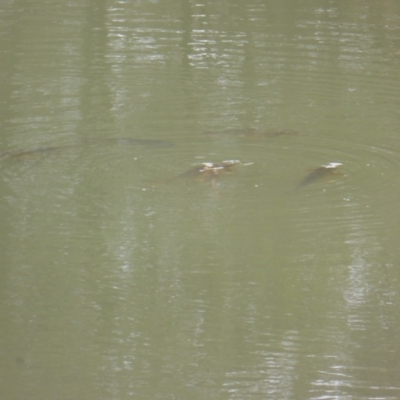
(321, 172)
(131, 142)
(206, 172)
(34, 152)
(30, 153)
(254, 133)
(209, 170)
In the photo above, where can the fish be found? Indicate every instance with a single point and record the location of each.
(33, 152)
(132, 142)
(205, 172)
(254, 133)
(210, 170)
(30, 153)
(320, 173)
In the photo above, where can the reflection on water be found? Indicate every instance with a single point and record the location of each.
(229, 286)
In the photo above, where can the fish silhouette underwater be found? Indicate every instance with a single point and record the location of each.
(323, 172)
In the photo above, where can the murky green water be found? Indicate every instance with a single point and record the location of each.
(121, 279)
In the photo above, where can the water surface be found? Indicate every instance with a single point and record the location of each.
(120, 281)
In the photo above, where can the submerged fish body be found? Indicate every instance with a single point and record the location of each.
(319, 173)
(254, 133)
(30, 153)
(275, 133)
(35, 152)
(209, 170)
(136, 142)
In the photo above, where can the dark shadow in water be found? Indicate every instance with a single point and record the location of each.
(131, 142)
(253, 133)
(37, 152)
(327, 171)
(31, 153)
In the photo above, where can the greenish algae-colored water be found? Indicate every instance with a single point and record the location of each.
(120, 278)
